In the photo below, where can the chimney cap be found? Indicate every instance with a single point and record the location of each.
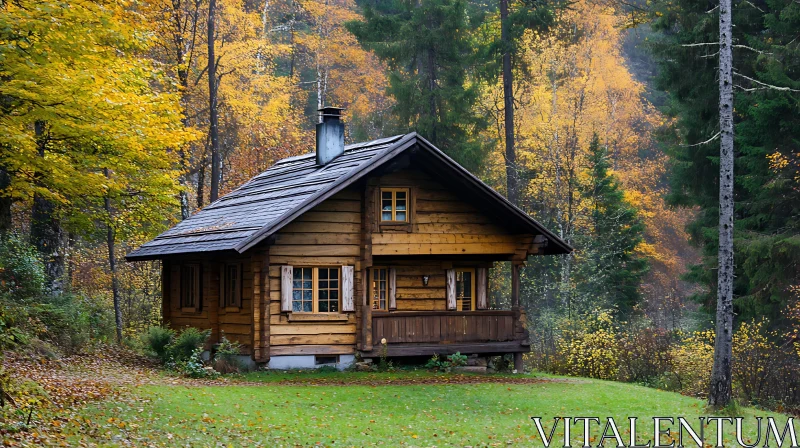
(331, 111)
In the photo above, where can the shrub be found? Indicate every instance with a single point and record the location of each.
(156, 342)
(454, 360)
(644, 355)
(22, 275)
(11, 332)
(193, 366)
(226, 357)
(28, 311)
(434, 363)
(71, 322)
(457, 360)
(186, 343)
(591, 348)
(545, 332)
(765, 372)
(692, 359)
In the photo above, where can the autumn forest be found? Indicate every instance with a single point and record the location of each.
(599, 118)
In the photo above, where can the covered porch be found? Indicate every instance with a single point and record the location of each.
(485, 332)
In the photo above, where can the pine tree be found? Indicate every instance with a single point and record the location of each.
(612, 270)
(428, 48)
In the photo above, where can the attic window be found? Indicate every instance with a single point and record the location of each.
(394, 205)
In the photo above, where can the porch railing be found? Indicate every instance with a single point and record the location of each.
(445, 327)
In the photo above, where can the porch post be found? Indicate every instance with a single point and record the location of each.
(366, 313)
(516, 308)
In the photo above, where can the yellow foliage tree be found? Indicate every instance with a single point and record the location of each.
(576, 84)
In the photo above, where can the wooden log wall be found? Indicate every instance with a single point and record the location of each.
(412, 294)
(233, 322)
(237, 323)
(259, 261)
(327, 235)
(442, 223)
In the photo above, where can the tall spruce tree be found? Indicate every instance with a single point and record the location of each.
(767, 128)
(429, 49)
(612, 270)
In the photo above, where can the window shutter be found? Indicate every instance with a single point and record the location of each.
(451, 289)
(392, 289)
(481, 290)
(347, 289)
(222, 276)
(286, 288)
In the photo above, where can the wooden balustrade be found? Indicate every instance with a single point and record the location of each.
(444, 327)
(427, 332)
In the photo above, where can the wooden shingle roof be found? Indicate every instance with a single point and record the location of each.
(264, 204)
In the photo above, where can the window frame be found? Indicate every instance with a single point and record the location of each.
(315, 290)
(473, 281)
(372, 272)
(394, 191)
(195, 304)
(236, 300)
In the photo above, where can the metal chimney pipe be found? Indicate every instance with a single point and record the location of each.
(330, 135)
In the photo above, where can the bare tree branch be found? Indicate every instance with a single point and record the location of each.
(754, 6)
(765, 85)
(714, 137)
(752, 49)
(700, 44)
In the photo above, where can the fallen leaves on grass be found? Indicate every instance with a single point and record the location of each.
(113, 374)
(379, 380)
(67, 384)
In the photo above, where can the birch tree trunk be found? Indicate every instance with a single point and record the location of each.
(512, 174)
(720, 388)
(212, 104)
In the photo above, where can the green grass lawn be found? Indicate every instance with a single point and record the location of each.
(370, 413)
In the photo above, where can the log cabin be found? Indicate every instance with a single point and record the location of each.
(358, 250)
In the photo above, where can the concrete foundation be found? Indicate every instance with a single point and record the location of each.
(308, 362)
